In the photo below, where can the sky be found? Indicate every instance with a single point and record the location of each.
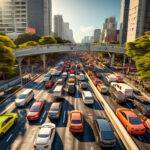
(86, 15)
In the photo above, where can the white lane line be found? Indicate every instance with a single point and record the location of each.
(91, 148)
(64, 116)
(43, 116)
(39, 94)
(9, 138)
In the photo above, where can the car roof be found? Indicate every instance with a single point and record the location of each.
(75, 115)
(129, 113)
(37, 103)
(103, 124)
(26, 91)
(45, 130)
(55, 105)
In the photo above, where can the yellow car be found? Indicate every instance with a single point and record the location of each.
(7, 120)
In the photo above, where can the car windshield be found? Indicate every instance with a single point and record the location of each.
(35, 109)
(107, 135)
(54, 109)
(43, 135)
(76, 121)
(23, 96)
(134, 120)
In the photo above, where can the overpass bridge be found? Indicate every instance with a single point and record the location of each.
(42, 50)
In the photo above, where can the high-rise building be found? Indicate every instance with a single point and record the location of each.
(97, 33)
(109, 30)
(13, 16)
(58, 25)
(65, 30)
(139, 18)
(40, 16)
(124, 20)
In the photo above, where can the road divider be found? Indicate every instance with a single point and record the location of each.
(121, 131)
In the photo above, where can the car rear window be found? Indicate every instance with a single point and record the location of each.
(76, 121)
(107, 135)
(134, 120)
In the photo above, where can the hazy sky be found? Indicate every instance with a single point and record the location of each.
(86, 15)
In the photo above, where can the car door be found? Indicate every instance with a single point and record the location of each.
(7, 124)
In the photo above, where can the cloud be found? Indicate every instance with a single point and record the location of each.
(87, 30)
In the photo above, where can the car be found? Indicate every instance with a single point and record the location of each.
(131, 121)
(87, 97)
(72, 71)
(24, 98)
(102, 88)
(76, 123)
(7, 120)
(45, 137)
(71, 89)
(36, 110)
(60, 81)
(96, 81)
(105, 133)
(83, 85)
(71, 81)
(55, 110)
(64, 74)
(49, 84)
(47, 78)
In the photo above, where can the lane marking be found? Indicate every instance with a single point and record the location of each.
(9, 138)
(64, 116)
(91, 148)
(44, 114)
(39, 94)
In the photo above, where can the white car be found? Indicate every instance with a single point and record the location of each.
(87, 97)
(45, 137)
(24, 98)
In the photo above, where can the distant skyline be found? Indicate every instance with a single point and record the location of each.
(86, 15)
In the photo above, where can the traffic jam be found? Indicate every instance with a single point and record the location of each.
(69, 104)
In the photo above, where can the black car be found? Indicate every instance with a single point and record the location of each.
(71, 89)
(106, 135)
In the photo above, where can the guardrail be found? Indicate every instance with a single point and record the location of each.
(123, 134)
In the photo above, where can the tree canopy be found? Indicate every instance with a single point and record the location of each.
(47, 40)
(139, 51)
(28, 44)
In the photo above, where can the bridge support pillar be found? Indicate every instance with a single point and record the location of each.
(20, 69)
(124, 62)
(112, 60)
(43, 57)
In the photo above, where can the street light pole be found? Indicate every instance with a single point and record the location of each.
(20, 69)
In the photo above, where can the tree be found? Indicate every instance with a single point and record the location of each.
(59, 39)
(47, 40)
(5, 40)
(23, 38)
(139, 51)
(28, 44)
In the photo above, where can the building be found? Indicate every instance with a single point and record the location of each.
(13, 16)
(58, 25)
(124, 21)
(97, 33)
(139, 19)
(108, 34)
(40, 16)
(88, 39)
(65, 30)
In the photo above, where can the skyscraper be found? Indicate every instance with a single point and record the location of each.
(58, 25)
(139, 18)
(109, 30)
(97, 33)
(124, 20)
(13, 16)
(40, 16)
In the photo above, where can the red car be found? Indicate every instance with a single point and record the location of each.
(35, 110)
(72, 71)
(49, 84)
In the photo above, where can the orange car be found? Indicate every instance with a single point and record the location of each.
(131, 121)
(76, 124)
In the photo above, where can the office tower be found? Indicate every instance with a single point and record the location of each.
(139, 19)
(124, 21)
(13, 16)
(40, 16)
(97, 33)
(58, 25)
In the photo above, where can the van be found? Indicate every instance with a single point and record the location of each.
(87, 97)
(58, 90)
(24, 98)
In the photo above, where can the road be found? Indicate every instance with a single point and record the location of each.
(23, 133)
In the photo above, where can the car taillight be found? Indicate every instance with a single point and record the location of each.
(46, 146)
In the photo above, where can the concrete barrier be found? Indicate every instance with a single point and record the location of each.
(123, 134)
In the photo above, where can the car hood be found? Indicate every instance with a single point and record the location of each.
(53, 112)
(41, 140)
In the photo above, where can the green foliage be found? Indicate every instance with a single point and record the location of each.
(5, 40)
(47, 40)
(23, 38)
(59, 40)
(139, 51)
(28, 44)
